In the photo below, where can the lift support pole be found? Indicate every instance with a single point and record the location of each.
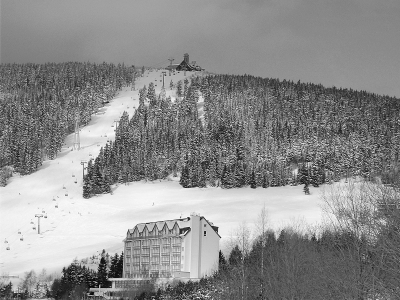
(38, 222)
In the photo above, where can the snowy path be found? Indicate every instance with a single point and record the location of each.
(79, 227)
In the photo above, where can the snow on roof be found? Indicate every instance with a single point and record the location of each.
(181, 223)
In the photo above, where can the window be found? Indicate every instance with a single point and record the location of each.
(176, 258)
(165, 249)
(155, 259)
(183, 248)
(155, 250)
(155, 242)
(205, 233)
(205, 225)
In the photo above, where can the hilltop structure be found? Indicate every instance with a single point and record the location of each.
(184, 249)
(184, 65)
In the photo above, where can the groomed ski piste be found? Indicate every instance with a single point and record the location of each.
(78, 228)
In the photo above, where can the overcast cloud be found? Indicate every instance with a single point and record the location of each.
(345, 43)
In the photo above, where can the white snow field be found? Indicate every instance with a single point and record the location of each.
(80, 227)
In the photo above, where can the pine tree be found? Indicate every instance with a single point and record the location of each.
(185, 180)
(253, 183)
(102, 273)
(113, 266)
(222, 261)
(235, 257)
(120, 266)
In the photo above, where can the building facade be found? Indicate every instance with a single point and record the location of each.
(180, 248)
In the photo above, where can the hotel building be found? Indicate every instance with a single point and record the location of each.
(180, 248)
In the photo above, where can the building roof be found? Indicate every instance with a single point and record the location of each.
(182, 223)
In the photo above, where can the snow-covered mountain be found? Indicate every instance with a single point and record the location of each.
(78, 227)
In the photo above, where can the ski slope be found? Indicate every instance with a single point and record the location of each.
(79, 227)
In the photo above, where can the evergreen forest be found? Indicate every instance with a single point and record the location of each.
(234, 131)
(39, 104)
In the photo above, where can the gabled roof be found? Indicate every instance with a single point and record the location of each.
(170, 224)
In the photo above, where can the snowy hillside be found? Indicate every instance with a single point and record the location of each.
(78, 227)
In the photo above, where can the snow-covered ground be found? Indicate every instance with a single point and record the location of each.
(80, 227)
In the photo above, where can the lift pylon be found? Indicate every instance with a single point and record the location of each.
(77, 142)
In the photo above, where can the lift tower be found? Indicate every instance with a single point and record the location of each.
(170, 65)
(38, 216)
(77, 142)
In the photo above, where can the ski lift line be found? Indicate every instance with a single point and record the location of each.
(28, 227)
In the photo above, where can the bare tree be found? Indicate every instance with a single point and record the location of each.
(261, 228)
(370, 212)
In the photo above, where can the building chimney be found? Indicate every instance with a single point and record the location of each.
(186, 58)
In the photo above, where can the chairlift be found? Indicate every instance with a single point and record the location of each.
(34, 227)
(54, 199)
(45, 216)
(31, 221)
(64, 187)
(56, 206)
(105, 135)
(19, 231)
(21, 238)
(43, 211)
(73, 175)
(76, 181)
(8, 248)
(90, 154)
(66, 194)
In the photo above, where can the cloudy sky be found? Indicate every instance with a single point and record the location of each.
(344, 43)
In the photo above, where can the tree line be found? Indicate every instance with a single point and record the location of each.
(40, 102)
(251, 131)
(77, 279)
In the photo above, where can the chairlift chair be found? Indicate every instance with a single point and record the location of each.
(56, 205)
(66, 194)
(31, 221)
(5, 241)
(8, 248)
(64, 187)
(21, 238)
(34, 227)
(19, 231)
(73, 175)
(45, 216)
(76, 181)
